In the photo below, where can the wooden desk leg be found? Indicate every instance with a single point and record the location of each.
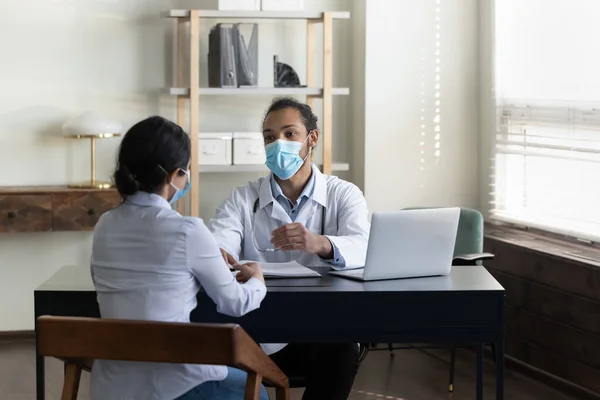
(479, 371)
(40, 375)
(500, 368)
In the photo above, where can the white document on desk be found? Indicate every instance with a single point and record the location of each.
(290, 269)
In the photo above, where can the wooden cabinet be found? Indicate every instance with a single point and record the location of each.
(80, 211)
(552, 302)
(25, 213)
(38, 209)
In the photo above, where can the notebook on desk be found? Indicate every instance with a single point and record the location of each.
(290, 269)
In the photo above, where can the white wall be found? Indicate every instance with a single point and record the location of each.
(486, 102)
(61, 58)
(359, 63)
(401, 165)
(64, 57)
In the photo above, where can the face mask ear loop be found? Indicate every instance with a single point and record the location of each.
(309, 152)
(167, 174)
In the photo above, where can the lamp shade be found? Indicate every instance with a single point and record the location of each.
(92, 124)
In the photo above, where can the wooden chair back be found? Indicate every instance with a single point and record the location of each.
(79, 340)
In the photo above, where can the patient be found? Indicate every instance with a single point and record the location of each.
(148, 263)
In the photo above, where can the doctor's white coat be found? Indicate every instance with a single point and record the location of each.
(243, 233)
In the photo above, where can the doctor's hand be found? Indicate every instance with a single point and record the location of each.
(248, 271)
(295, 236)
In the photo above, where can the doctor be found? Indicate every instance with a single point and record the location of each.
(298, 213)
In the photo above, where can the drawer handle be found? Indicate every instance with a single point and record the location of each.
(255, 150)
(91, 211)
(12, 215)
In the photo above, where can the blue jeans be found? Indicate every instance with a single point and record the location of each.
(230, 388)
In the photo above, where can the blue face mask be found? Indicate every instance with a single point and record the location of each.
(179, 193)
(283, 157)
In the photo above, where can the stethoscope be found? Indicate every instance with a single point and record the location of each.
(271, 250)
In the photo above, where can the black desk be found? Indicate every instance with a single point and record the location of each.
(465, 307)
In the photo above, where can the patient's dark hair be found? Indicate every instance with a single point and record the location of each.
(308, 117)
(150, 151)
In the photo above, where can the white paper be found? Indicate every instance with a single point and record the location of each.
(291, 269)
(271, 348)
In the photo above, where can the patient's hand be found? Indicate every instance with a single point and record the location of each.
(228, 258)
(249, 271)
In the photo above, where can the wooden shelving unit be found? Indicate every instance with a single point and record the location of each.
(188, 97)
(258, 91)
(259, 168)
(229, 14)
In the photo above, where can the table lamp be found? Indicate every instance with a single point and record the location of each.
(90, 125)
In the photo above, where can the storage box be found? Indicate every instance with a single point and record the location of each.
(214, 148)
(248, 148)
(239, 5)
(282, 5)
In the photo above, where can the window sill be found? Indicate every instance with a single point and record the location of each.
(545, 243)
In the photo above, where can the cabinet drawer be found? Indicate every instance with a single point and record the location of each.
(25, 213)
(214, 148)
(248, 148)
(80, 211)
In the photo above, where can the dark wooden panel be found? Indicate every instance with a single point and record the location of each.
(553, 363)
(553, 303)
(569, 342)
(536, 374)
(551, 270)
(557, 305)
(25, 213)
(80, 211)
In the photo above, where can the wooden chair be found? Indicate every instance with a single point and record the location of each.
(77, 341)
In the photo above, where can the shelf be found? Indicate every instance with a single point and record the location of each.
(257, 91)
(187, 51)
(258, 168)
(31, 190)
(225, 14)
(53, 208)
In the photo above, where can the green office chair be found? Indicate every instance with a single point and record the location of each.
(468, 250)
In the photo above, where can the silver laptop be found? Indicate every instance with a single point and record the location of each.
(408, 244)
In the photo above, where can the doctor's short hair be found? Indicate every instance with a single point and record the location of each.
(309, 119)
(150, 151)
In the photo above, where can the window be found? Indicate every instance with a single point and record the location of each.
(547, 142)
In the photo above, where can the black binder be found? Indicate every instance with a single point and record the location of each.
(230, 62)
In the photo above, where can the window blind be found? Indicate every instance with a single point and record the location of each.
(546, 169)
